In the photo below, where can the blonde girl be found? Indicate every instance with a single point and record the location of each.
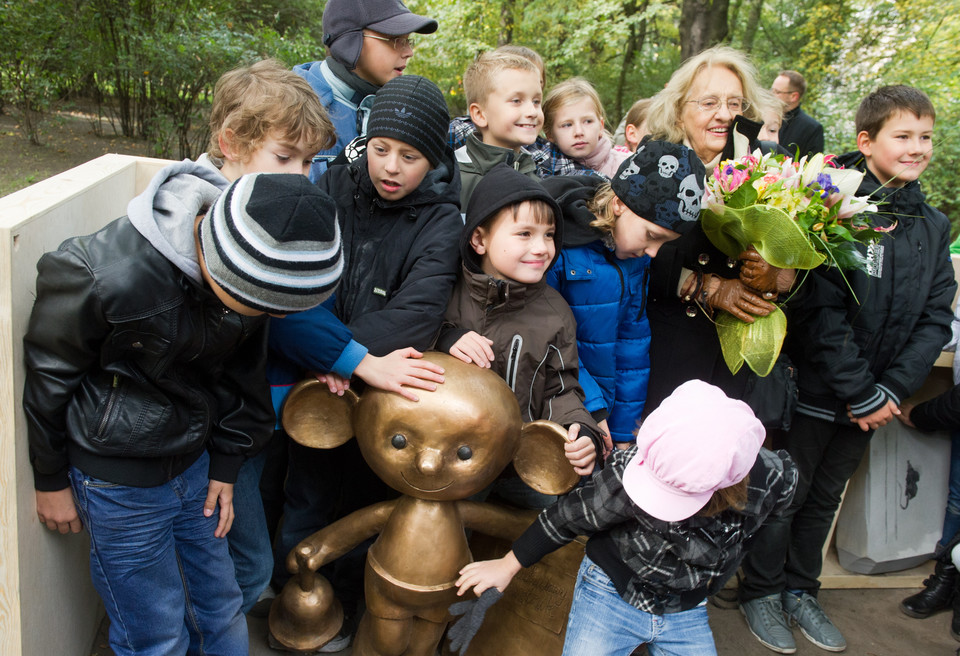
(574, 121)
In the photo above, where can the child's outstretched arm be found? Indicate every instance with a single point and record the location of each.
(486, 574)
(399, 370)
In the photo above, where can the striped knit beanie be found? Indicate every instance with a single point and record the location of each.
(272, 242)
(411, 109)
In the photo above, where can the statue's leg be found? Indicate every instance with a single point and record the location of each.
(425, 637)
(377, 636)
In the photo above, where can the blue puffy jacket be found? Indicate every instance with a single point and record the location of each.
(607, 296)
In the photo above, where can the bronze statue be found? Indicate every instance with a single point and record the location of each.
(451, 444)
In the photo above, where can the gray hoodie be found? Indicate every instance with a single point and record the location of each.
(175, 196)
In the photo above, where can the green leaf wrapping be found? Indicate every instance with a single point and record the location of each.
(777, 237)
(758, 343)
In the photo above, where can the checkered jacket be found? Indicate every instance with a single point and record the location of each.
(659, 567)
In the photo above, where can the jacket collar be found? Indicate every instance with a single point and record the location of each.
(495, 293)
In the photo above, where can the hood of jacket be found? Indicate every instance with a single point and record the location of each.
(172, 200)
(478, 157)
(573, 193)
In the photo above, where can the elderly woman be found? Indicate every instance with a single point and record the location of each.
(714, 105)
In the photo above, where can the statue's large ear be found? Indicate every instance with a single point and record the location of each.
(540, 460)
(315, 417)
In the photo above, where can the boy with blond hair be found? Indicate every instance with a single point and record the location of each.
(145, 356)
(504, 92)
(266, 118)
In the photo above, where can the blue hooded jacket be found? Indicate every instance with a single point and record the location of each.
(608, 298)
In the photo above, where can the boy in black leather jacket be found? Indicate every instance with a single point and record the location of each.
(146, 388)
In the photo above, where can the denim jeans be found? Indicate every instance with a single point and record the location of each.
(951, 518)
(249, 540)
(786, 553)
(601, 623)
(167, 583)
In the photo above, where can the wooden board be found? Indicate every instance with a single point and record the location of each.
(47, 604)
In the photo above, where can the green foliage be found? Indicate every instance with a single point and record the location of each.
(36, 60)
(153, 63)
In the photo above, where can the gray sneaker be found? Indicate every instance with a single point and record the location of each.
(816, 627)
(768, 625)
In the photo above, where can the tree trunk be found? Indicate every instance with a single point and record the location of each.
(753, 21)
(638, 34)
(703, 23)
(506, 23)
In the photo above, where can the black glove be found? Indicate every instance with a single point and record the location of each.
(462, 631)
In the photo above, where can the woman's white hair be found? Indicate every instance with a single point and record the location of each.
(663, 116)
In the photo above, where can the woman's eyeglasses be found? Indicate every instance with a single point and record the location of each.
(736, 105)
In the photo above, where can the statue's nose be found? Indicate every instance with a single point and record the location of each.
(429, 461)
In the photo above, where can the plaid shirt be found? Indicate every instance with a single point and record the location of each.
(550, 161)
(659, 567)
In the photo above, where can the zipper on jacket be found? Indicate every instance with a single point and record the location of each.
(643, 293)
(111, 402)
(612, 260)
(516, 344)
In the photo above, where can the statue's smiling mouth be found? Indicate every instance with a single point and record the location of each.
(424, 489)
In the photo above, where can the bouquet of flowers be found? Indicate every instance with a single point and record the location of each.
(796, 214)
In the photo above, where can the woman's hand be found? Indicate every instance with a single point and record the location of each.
(731, 295)
(758, 274)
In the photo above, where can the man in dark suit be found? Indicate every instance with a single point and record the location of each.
(800, 133)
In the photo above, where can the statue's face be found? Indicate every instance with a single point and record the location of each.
(449, 445)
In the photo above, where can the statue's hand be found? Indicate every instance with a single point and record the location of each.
(473, 611)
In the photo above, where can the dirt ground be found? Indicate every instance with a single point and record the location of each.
(869, 620)
(69, 140)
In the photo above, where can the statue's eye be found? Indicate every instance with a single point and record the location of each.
(464, 453)
(398, 441)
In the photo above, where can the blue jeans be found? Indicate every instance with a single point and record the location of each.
(249, 539)
(951, 518)
(167, 583)
(601, 623)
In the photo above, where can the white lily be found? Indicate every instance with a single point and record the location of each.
(813, 168)
(846, 180)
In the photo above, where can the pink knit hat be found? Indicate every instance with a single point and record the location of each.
(697, 442)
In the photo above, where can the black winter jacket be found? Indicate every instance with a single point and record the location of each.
(400, 257)
(883, 347)
(801, 133)
(133, 368)
(684, 344)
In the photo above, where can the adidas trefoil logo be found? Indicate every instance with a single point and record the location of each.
(402, 113)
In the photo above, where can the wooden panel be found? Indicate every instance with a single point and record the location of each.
(47, 604)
